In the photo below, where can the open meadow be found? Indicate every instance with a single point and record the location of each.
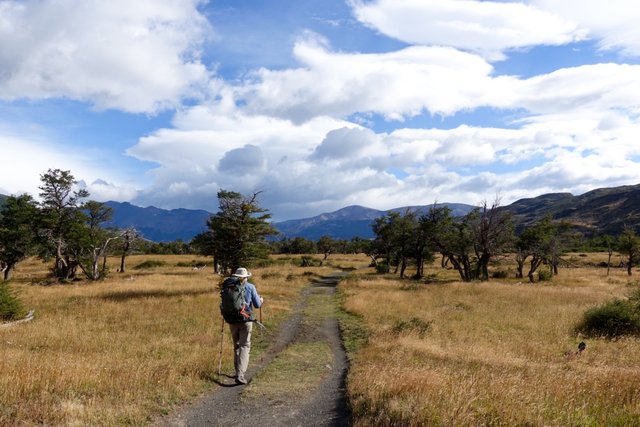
(493, 353)
(128, 349)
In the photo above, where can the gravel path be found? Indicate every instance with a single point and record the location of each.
(325, 406)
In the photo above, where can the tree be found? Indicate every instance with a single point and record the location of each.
(492, 233)
(384, 244)
(609, 243)
(452, 237)
(326, 245)
(90, 243)
(18, 219)
(540, 243)
(297, 245)
(129, 236)
(629, 245)
(238, 231)
(60, 220)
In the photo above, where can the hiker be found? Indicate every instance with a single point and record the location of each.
(240, 318)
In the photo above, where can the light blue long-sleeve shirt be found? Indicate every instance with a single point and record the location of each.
(251, 296)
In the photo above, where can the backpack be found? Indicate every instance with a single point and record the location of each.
(233, 305)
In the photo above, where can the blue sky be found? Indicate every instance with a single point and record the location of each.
(320, 104)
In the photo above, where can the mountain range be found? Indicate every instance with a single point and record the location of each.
(605, 210)
(162, 225)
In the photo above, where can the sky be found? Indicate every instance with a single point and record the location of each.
(320, 104)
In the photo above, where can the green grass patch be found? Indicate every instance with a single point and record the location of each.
(320, 306)
(297, 370)
(352, 329)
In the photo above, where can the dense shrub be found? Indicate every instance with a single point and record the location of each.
(500, 274)
(544, 275)
(382, 268)
(152, 263)
(613, 319)
(10, 305)
(193, 264)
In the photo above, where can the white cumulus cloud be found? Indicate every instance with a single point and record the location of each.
(486, 27)
(135, 56)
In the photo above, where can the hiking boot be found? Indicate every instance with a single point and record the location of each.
(241, 380)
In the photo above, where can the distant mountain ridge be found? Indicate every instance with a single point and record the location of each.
(159, 225)
(350, 221)
(604, 210)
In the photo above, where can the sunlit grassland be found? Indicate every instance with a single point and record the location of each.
(127, 349)
(494, 352)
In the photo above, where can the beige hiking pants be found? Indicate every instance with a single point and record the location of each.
(241, 335)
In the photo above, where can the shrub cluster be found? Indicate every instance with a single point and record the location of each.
(613, 319)
(152, 263)
(193, 264)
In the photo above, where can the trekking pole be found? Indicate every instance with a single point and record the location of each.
(221, 341)
(261, 333)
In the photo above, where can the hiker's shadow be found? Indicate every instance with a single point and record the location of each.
(222, 383)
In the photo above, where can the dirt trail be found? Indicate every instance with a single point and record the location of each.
(325, 406)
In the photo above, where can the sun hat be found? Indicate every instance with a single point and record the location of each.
(241, 272)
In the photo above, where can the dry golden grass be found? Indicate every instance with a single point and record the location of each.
(126, 349)
(493, 355)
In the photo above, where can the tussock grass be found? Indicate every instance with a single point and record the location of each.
(492, 354)
(124, 350)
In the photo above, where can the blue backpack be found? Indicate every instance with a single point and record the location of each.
(233, 305)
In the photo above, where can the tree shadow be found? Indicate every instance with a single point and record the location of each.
(138, 294)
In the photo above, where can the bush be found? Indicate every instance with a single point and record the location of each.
(382, 268)
(152, 263)
(193, 264)
(613, 319)
(500, 274)
(10, 305)
(544, 275)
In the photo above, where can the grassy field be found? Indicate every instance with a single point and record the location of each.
(467, 354)
(125, 350)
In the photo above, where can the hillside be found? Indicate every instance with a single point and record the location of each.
(605, 210)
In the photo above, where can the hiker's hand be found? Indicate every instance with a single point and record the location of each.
(261, 300)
